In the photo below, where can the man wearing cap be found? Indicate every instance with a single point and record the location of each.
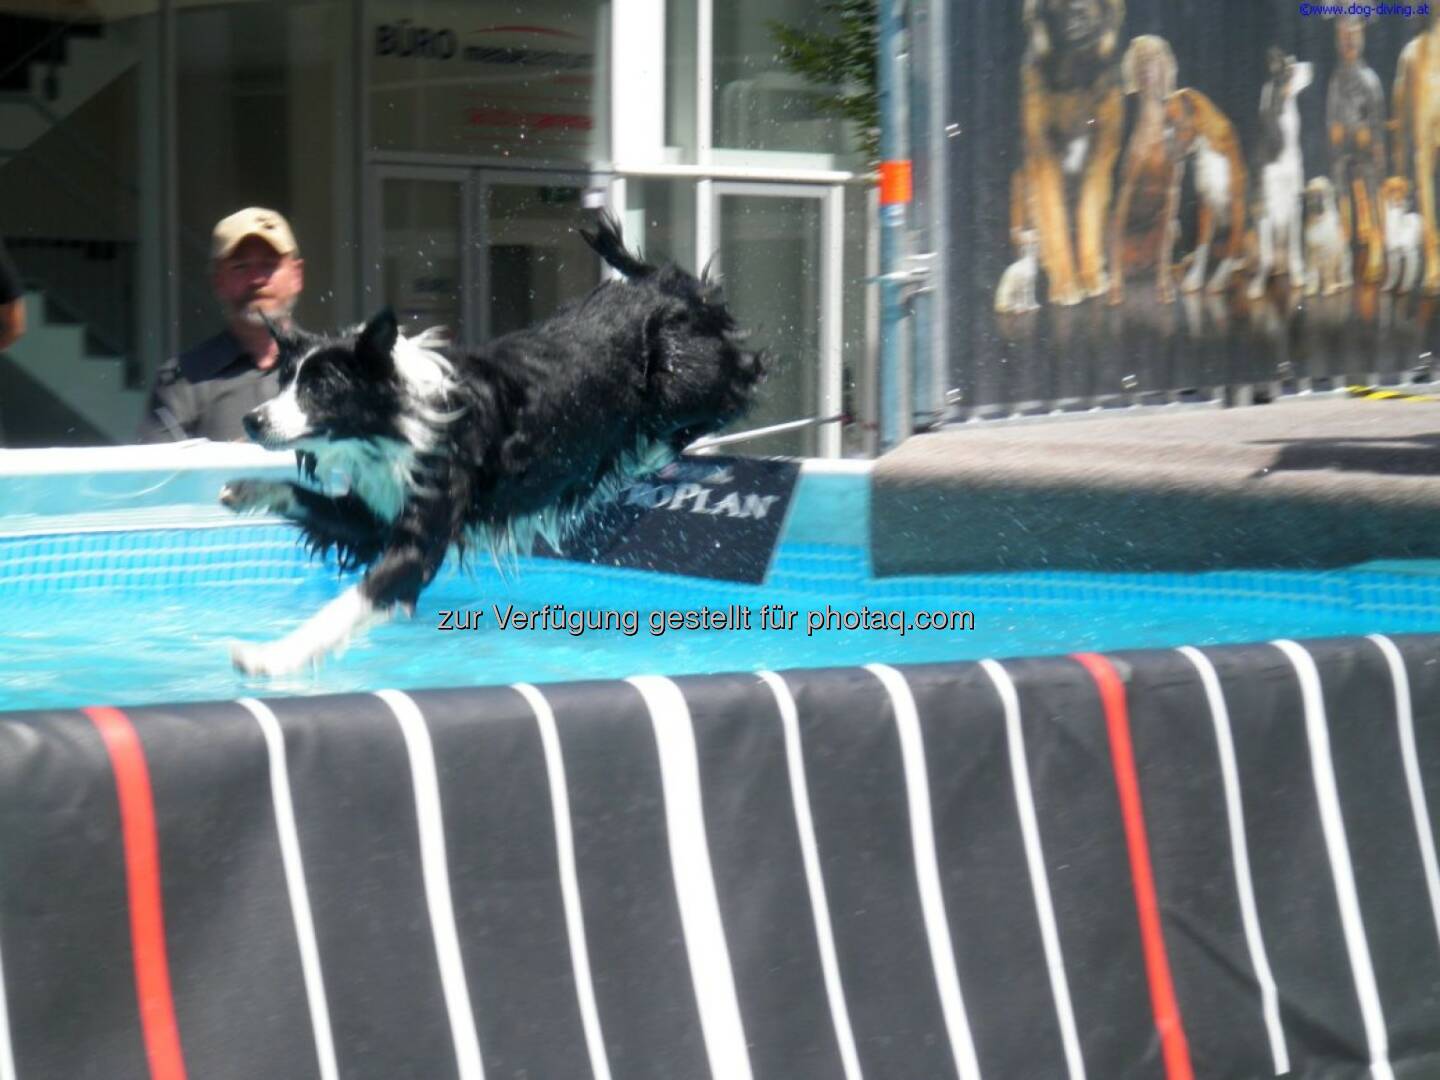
(257, 274)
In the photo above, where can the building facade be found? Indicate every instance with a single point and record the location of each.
(435, 155)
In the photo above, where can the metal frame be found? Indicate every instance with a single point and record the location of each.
(170, 172)
(935, 351)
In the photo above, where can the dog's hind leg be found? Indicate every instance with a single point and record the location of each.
(1205, 234)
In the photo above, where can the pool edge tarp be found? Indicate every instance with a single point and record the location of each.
(1170, 863)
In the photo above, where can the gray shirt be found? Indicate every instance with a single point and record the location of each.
(204, 392)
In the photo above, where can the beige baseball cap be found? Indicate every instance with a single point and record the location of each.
(268, 225)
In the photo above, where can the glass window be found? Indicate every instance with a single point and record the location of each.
(681, 78)
(478, 79)
(759, 104)
(771, 273)
(80, 150)
(660, 219)
(534, 261)
(260, 111)
(420, 253)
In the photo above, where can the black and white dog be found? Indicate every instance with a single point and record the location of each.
(445, 449)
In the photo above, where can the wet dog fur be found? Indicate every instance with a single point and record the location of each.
(446, 449)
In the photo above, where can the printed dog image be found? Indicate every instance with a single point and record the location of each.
(1072, 111)
(1015, 294)
(1415, 106)
(1150, 169)
(1205, 136)
(446, 449)
(1282, 172)
(1327, 253)
(1403, 233)
(1355, 116)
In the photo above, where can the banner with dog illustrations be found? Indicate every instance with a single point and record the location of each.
(1162, 197)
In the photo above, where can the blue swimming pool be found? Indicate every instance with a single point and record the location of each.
(124, 587)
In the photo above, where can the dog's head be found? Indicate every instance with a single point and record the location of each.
(1395, 191)
(1148, 68)
(1319, 197)
(361, 386)
(1288, 76)
(1180, 114)
(1069, 27)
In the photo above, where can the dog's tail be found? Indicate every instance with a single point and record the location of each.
(610, 246)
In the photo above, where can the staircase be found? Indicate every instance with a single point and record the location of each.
(68, 373)
(63, 66)
(55, 355)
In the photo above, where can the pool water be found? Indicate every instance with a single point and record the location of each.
(152, 629)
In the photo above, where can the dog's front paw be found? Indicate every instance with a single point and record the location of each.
(256, 496)
(263, 660)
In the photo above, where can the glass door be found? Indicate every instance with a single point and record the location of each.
(480, 252)
(419, 266)
(779, 261)
(530, 259)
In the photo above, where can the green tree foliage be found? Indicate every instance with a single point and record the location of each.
(843, 61)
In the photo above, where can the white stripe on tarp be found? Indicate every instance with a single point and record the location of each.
(1405, 718)
(1035, 858)
(927, 870)
(436, 873)
(569, 878)
(810, 855)
(7, 1053)
(294, 866)
(1240, 856)
(1332, 823)
(700, 921)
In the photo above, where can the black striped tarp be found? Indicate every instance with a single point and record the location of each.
(1188, 863)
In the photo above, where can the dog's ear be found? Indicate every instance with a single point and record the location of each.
(375, 349)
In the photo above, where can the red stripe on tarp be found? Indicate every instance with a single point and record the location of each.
(1173, 1044)
(142, 879)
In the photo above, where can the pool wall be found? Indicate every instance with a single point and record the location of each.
(147, 515)
(1148, 864)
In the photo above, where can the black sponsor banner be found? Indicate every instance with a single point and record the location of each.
(1144, 198)
(1161, 863)
(713, 517)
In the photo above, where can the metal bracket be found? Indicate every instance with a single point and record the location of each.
(915, 277)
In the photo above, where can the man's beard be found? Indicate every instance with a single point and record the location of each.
(251, 313)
